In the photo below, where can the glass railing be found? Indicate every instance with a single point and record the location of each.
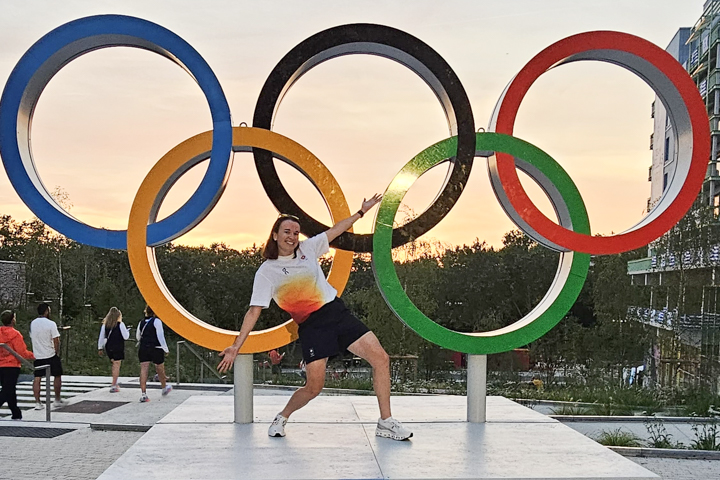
(639, 266)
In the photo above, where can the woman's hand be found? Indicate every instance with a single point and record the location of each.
(343, 225)
(228, 360)
(368, 204)
(100, 352)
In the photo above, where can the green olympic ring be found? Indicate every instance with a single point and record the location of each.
(572, 268)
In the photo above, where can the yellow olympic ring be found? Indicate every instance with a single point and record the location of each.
(147, 203)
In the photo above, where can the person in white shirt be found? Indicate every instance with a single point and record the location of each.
(46, 347)
(291, 275)
(113, 334)
(153, 348)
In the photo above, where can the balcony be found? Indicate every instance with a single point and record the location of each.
(639, 266)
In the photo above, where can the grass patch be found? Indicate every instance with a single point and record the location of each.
(618, 438)
(569, 410)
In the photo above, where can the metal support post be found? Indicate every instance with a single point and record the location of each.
(47, 393)
(177, 362)
(243, 388)
(476, 388)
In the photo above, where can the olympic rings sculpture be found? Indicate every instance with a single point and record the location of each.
(570, 235)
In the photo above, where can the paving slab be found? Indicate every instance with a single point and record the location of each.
(334, 437)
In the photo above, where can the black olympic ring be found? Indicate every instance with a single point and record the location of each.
(395, 45)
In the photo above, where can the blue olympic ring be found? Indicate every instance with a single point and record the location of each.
(55, 50)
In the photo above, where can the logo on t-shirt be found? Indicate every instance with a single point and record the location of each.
(285, 271)
(302, 258)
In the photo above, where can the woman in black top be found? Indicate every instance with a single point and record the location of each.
(113, 334)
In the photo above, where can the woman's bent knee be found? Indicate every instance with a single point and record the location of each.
(381, 360)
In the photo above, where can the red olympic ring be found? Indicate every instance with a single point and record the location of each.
(622, 49)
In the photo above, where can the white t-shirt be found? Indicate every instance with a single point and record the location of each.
(42, 332)
(298, 284)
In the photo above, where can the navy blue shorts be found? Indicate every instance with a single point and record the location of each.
(329, 331)
(151, 354)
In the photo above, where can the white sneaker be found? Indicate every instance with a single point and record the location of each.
(59, 403)
(277, 428)
(144, 398)
(114, 389)
(39, 406)
(391, 428)
(166, 390)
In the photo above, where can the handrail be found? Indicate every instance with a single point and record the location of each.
(199, 357)
(25, 362)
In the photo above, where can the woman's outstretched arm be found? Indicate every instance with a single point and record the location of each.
(231, 352)
(342, 226)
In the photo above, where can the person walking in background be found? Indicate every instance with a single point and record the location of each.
(275, 361)
(153, 348)
(9, 365)
(113, 334)
(46, 346)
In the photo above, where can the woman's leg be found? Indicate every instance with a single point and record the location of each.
(115, 371)
(144, 366)
(368, 347)
(313, 386)
(160, 369)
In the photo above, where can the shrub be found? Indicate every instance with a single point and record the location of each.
(569, 410)
(618, 438)
(707, 436)
(659, 438)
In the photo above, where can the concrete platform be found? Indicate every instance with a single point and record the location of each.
(334, 437)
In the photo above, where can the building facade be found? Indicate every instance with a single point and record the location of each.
(678, 286)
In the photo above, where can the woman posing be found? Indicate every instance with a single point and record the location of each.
(291, 275)
(113, 334)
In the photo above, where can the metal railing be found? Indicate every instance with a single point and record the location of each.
(203, 364)
(33, 367)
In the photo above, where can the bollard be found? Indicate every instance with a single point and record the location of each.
(476, 388)
(243, 392)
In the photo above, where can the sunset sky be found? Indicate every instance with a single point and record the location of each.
(107, 117)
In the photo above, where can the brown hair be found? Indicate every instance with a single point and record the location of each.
(7, 317)
(112, 318)
(270, 250)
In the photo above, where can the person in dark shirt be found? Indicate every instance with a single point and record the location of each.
(153, 348)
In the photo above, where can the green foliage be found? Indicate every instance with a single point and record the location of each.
(468, 288)
(707, 436)
(659, 438)
(618, 438)
(569, 410)
(699, 402)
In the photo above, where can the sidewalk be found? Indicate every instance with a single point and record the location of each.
(97, 440)
(88, 449)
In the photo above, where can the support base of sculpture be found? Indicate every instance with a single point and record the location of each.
(243, 391)
(476, 388)
(334, 437)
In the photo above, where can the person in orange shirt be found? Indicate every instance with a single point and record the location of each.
(9, 365)
(276, 360)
